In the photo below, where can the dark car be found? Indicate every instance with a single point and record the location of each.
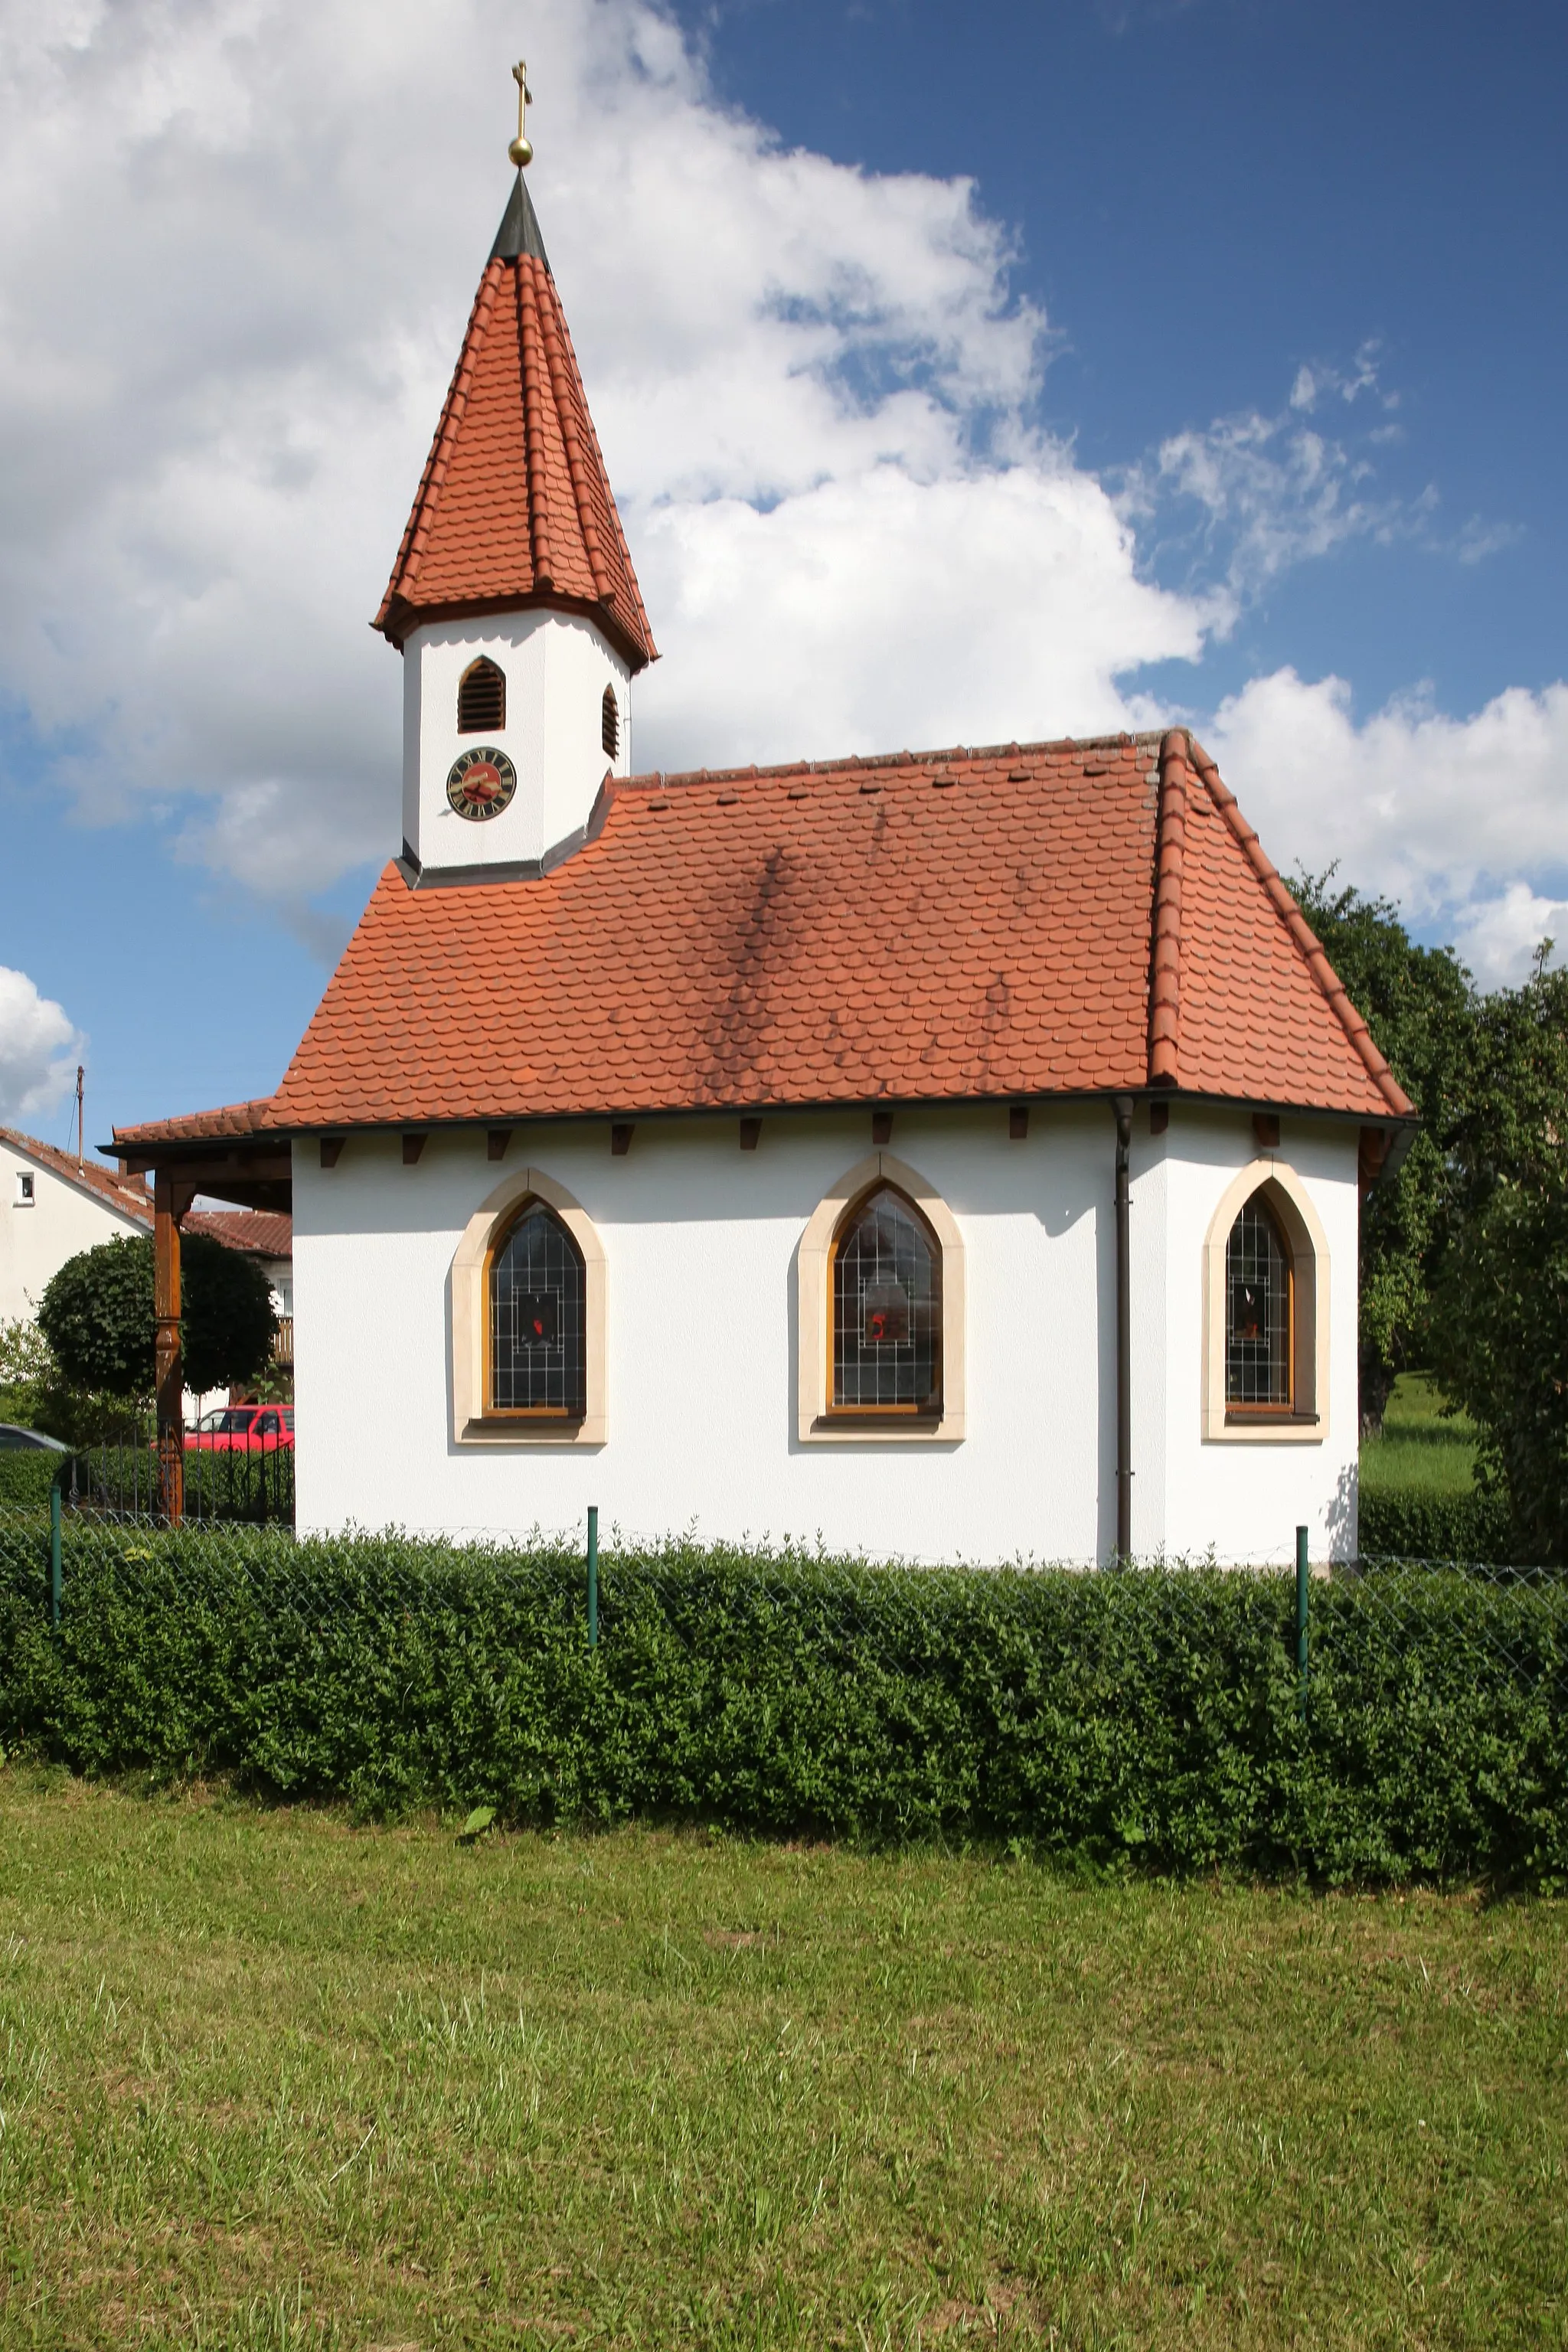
(13, 1436)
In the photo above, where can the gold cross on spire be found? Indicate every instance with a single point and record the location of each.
(521, 148)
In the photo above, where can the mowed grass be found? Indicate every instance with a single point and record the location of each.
(272, 2080)
(1420, 1446)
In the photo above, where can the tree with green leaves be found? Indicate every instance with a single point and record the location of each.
(96, 1314)
(1421, 1007)
(1498, 1317)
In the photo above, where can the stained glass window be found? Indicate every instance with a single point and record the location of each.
(886, 1310)
(538, 1322)
(1258, 1311)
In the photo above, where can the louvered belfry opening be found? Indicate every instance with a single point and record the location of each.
(610, 723)
(481, 698)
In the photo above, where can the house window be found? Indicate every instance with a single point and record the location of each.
(610, 722)
(24, 1188)
(481, 698)
(1258, 1288)
(538, 1346)
(886, 1343)
(1266, 1290)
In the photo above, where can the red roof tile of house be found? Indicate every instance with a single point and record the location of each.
(230, 1120)
(515, 506)
(129, 1194)
(1061, 918)
(260, 1232)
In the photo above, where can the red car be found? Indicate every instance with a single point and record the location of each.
(243, 1429)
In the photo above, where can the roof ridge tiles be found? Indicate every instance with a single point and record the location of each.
(945, 756)
(1164, 978)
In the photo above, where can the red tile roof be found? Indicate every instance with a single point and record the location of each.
(129, 1194)
(515, 506)
(229, 1121)
(1058, 918)
(260, 1232)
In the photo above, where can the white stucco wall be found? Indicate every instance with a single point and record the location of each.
(1246, 1498)
(701, 1240)
(557, 667)
(35, 1241)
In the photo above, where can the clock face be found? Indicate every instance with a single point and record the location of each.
(482, 783)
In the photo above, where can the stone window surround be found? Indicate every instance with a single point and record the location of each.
(1308, 1423)
(814, 1424)
(470, 1320)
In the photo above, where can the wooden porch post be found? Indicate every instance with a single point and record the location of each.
(170, 1202)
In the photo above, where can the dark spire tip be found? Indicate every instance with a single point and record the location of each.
(519, 230)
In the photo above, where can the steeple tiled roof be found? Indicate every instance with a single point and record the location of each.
(515, 506)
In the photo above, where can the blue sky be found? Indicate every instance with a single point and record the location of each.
(1182, 216)
(1205, 197)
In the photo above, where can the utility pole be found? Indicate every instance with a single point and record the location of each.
(79, 1128)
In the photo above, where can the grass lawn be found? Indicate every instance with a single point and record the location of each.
(271, 2079)
(1419, 1447)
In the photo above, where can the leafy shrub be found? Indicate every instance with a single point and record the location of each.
(96, 1314)
(1423, 1523)
(24, 1475)
(1148, 1716)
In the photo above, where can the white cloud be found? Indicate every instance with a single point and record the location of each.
(1443, 813)
(1246, 497)
(241, 240)
(1500, 938)
(38, 1048)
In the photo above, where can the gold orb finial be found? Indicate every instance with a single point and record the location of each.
(521, 148)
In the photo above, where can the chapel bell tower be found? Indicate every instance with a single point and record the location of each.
(513, 600)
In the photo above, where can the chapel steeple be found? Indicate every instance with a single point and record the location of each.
(515, 558)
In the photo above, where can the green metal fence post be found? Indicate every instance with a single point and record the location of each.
(592, 1576)
(55, 1549)
(1303, 1589)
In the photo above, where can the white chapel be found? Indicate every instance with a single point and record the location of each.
(942, 1156)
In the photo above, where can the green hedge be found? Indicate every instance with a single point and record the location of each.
(1147, 1716)
(1416, 1523)
(25, 1472)
(258, 1487)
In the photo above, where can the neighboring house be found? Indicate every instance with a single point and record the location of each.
(52, 1206)
(55, 1206)
(267, 1235)
(953, 1156)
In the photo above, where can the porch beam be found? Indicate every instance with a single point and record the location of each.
(171, 1198)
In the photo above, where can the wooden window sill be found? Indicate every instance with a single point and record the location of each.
(1268, 1428)
(533, 1429)
(879, 1428)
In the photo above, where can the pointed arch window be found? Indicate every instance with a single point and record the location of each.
(885, 1346)
(1259, 1288)
(537, 1318)
(610, 723)
(481, 698)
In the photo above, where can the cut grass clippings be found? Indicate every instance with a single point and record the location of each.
(271, 2080)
